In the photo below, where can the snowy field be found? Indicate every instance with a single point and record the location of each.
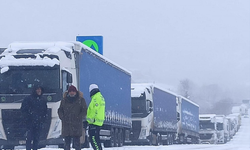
(241, 141)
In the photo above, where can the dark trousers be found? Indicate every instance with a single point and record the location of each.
(33, 135)
(94, 137)
(76, 142)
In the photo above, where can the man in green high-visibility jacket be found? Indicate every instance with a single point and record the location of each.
(95, 116)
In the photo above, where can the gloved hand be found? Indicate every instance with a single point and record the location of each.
(92, 127)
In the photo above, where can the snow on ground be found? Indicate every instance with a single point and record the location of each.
(241, 141)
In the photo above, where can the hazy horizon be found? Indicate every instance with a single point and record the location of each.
(207, 42)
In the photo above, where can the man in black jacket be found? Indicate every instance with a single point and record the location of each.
(34, 111)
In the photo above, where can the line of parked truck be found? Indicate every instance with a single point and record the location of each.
(215, 129)
(135, 113)
(162, 117)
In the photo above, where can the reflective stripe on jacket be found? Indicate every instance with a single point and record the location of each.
(96, 110)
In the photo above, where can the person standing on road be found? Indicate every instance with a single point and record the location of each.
(34, 112)
(95, 116)
(72, 111)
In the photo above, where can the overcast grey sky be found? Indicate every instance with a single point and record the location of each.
(163, 41)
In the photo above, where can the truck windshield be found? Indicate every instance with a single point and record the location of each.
(21, 80)
(219, 126)
(138, 105)
(206, 125)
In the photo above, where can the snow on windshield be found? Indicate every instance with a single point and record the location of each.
(9, 60)
(14, 47)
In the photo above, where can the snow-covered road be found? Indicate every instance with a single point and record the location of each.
(241, 141)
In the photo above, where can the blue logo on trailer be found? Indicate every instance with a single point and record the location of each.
(94, 42)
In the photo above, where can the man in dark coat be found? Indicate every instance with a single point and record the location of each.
(72, 111)
(34, 112)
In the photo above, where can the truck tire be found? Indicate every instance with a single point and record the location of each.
(159, 139)
(171, 139)
(181, 139)
(156, 139)
(150, 138)
(225, 140)
(116, 140)
(165, 142)
(111, 142)
(120, 138)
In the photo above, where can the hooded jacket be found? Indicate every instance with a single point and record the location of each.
(72, 111)
(96, 109)
(34, 109)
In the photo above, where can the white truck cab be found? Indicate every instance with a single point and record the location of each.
(222, 129)
(208, 129)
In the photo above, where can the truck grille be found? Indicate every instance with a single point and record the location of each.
(14, 127)
(136, 129)
(205, 136)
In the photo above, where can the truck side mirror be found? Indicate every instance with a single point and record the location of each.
(150, 109)
(69, 78)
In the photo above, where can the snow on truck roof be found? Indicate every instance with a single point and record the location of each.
(47, 48)
(148, 85)
(16, 46)
(138, 88)
(189, 100)
(9, 60)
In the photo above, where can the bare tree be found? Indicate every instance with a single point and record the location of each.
(185, 88)
(223, 107)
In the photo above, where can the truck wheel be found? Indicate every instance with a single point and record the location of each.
(171, 139)
(165, 142)
(159, 139)
(225, 140)
(182, 139)
(120, 138)
(155, 139)
(150, 138)
(116, 140)
(111, 142)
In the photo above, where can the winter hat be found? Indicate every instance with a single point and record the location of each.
(72, 88)
(92, 86)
